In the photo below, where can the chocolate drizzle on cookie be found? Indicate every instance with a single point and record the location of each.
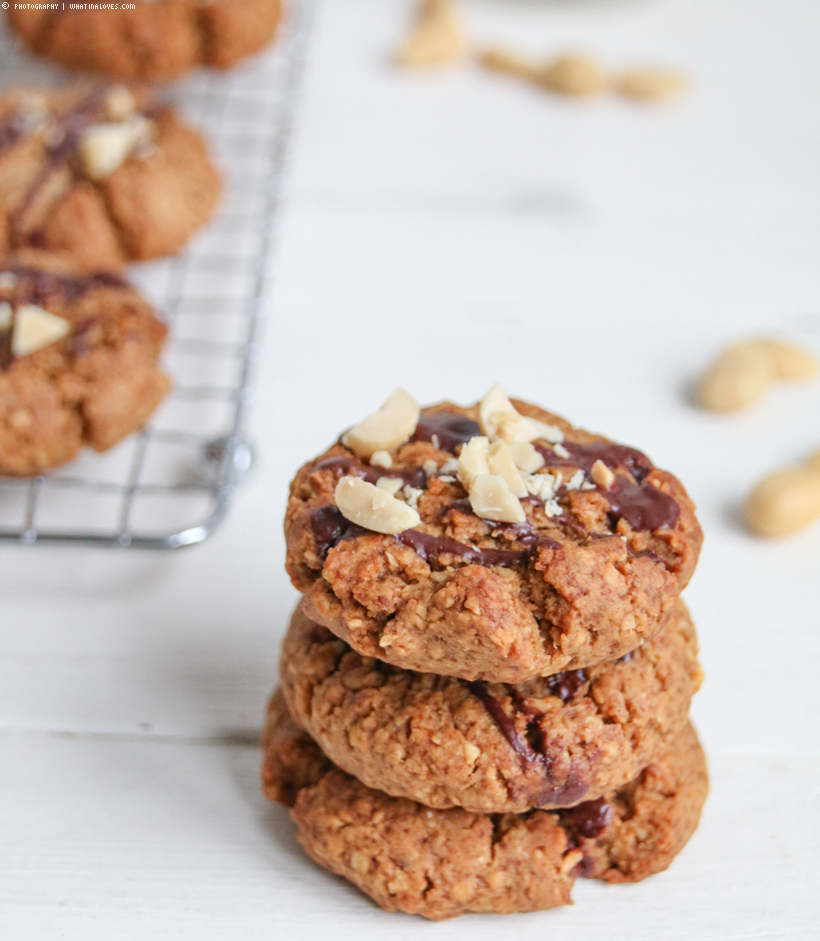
(566, 685)
(6, 355)
(640, 504)
(428, 546)
(446, 431)
(12, 130)
(330, 528)
(531, 746)
(40, 287)
(64, 133)
(44, 288)
(348, 466)
(643, 506)
(584, 456)
(590, 819)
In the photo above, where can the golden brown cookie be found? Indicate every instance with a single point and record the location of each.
(78, 361)
(105, 174)
(602, 546)
(443, 863)
(156, 42)
(491, 748)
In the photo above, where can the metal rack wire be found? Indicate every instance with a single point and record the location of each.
(171, 484)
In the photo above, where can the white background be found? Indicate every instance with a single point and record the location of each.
(445, 231)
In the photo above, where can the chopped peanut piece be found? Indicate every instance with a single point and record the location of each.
(491, 499)
(499, 419)
(602, 475)
(473, 461)
(35, 328)
(390, 485)
(501, 462)
(106, 146)
(372, 508)
(387, 428)
(526, 457)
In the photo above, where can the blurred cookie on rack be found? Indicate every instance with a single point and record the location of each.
(156, 41)
(78, 361)
(105, 174)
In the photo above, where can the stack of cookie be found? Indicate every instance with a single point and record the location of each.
(485, 687)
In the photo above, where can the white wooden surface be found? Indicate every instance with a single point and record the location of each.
(444, 232)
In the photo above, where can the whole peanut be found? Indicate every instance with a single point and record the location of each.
(436, 38)
(572, 75)
(740, 376)
(785, 501)
(649, 84)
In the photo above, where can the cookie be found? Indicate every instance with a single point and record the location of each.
(155, 42)
(105, 174)
(443, 863)
(78, 361)
(439, 569)
(490, 748)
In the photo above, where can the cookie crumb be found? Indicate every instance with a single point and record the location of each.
(574, 483)
(429, 467)
(542, 486)
(571, 860)
(390, 485)
(381, 459)
(411, 495)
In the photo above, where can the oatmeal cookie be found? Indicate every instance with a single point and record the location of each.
(415, 554)
(78, 361)
(443, 863)
(445, 742)
(156, 42)
(105, 174)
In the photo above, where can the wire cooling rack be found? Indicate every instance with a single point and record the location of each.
(171, 484)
